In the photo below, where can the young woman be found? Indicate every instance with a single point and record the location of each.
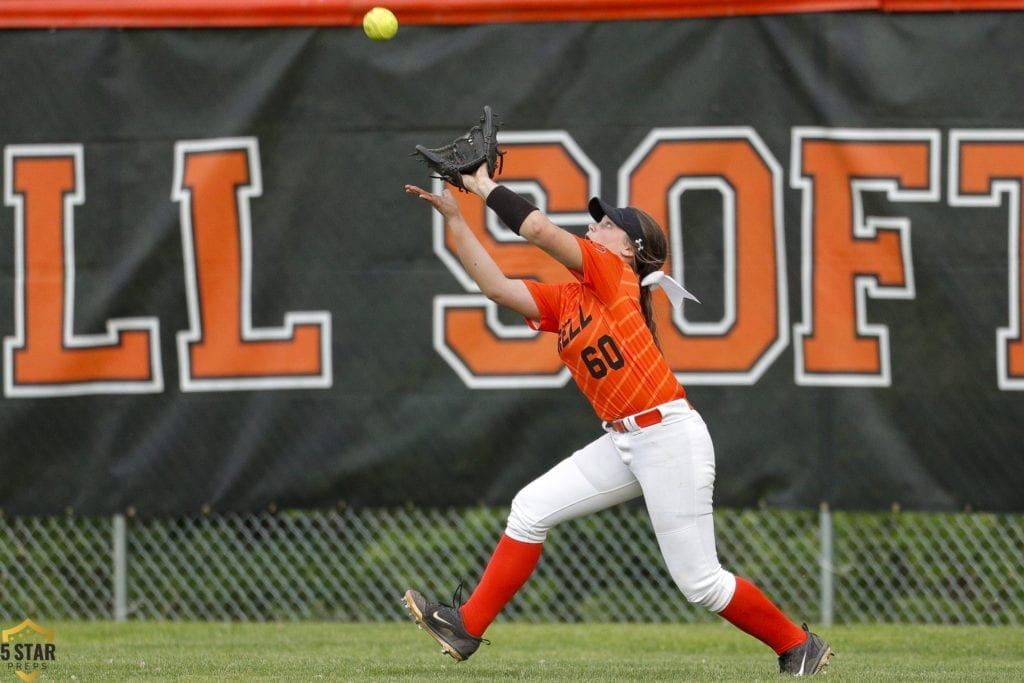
(655, 444)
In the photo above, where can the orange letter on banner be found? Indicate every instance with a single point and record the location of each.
(848, 256)
(45, 357)
(214, 181)
(754, 330)
(991, 164)
(468, 334)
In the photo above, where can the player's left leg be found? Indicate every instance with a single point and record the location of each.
(675, 465)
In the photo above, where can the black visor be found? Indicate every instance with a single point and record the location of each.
(626, 218)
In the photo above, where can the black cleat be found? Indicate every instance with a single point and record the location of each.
(444, 624)
(806, 659)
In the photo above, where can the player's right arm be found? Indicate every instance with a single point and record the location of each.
(505, 291)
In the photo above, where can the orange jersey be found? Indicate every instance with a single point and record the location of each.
(602, 336)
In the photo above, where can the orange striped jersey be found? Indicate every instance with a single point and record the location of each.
(602, 336)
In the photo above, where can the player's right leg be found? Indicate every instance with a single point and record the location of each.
(444, 624)
(592, 479)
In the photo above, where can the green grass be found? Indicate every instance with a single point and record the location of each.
(170, 651)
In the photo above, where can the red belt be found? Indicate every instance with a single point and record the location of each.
(645, 419)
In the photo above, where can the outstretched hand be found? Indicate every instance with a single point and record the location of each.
(444, 203)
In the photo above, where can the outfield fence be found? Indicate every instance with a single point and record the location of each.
(353, 565)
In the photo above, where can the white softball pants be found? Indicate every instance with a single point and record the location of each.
(672, 465)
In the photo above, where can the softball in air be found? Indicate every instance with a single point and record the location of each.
(380, 23)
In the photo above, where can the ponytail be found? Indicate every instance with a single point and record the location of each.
(649, 255)
(647, 307)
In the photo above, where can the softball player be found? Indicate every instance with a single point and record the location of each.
(655, 444)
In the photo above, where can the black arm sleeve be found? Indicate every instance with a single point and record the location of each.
(510, 207)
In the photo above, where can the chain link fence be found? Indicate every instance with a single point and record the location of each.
(348, 565)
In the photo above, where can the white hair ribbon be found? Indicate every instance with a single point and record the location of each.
(675, 291)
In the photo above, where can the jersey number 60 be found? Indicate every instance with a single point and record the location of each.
(605, 356)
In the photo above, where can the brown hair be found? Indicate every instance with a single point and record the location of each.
(649, 256)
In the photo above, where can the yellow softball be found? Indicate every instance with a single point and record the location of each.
(380, 23)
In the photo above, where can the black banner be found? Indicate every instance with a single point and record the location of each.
(219, 297)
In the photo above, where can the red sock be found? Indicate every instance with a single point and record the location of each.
(753, 613)
(509, 568)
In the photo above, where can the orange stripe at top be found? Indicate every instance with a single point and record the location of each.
(265, 13)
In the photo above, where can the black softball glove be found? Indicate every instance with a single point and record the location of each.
(467, 152)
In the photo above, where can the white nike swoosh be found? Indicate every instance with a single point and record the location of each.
(802, 663)
(437, 616)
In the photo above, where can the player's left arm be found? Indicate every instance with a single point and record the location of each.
(536, 228)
